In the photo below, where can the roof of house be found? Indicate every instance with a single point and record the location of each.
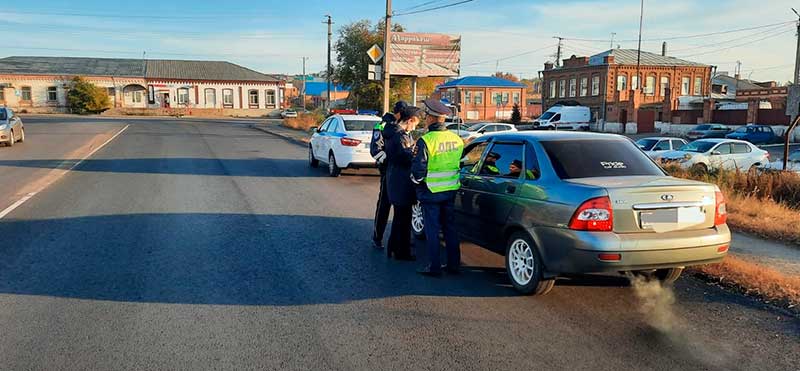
(742, 84)
(118, 67)
(482, 81)
(319, 88)
(629, 56)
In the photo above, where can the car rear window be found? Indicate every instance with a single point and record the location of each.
(593, 158)
(360, 125)
(3, 114)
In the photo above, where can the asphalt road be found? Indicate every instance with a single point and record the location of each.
(209, 245)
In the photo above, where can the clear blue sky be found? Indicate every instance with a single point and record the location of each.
(513, 36)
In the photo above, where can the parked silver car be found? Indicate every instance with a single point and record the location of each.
(11, 128)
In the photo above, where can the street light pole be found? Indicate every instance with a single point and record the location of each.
(304, 84)
(330, 70)
(387, 55)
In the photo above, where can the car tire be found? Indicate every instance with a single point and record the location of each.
(11, 139)
(333, 169)
(524, 266)
(700, 168)
(21, 135)
(417, 221)
(312, 161)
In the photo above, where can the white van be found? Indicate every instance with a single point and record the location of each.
(564, 118)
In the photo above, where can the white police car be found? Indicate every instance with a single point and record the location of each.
(342, 142)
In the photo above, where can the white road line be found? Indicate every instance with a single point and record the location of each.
(28, 196)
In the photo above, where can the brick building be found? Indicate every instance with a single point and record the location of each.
(40, 84)
(482, 97)
(608, 84)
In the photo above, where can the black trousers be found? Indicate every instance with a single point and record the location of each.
(381, 212)
(400, 237)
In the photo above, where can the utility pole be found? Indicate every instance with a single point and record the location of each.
(738, 75)
(330, 69)
(558, 51)
(387, 54)
(797, 54)
(639, 49)
(613, 34)
(304, 84)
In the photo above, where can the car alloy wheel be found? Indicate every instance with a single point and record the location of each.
(333, 169)
(417, 220)
(522, 267)
(21, 135)
(11, 139)
(312, 161)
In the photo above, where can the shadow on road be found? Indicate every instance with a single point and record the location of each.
(256, 167)
(233, 259)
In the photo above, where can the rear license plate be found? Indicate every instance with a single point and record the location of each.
(671, 218)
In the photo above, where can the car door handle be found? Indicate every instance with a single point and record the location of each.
(511, 188)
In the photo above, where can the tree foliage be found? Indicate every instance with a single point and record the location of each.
(507, 76)
(352, 64)
(516, 115)
(85, 97)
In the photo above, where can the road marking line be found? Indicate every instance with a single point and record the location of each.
(28, 196)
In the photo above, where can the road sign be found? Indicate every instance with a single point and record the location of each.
(374, 72)
(375, 53)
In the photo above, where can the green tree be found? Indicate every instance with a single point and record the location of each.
(352, 62)
(85, 97)
(516, 115)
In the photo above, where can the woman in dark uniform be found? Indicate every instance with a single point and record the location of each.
(399, 153)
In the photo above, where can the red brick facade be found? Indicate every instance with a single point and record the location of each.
(481, 103)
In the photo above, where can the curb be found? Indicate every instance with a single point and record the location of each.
(289, 138)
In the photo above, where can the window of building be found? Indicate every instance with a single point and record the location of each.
(685, 81)
(183, 96)
(468, 97)
(664, 85)
(595, 85)
(270, 99)
(112, 92)
(635, 82)
(252, 98)
(622, 83)
(137, 96)
(2, 94)
(227, 97)
(505, 98)
(650, 85)
(552, 89)
(584, 86)
(698, 86)
(478, 97)
(562, 88)
(52, 94)
(573, 88)
(516, 97)
(211, 97)
(25, 93)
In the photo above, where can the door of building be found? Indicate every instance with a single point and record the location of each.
(646, 122)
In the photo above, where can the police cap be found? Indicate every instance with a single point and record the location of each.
(435, 107)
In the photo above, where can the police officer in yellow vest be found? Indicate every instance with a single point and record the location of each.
(435, 171)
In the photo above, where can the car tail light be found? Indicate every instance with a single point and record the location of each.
(609, 257)
(350, 142)
(720, 211)
(594, 215)
(723, 248)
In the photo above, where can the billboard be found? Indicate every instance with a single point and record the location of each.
(425, 54)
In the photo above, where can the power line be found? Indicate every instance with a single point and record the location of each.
(419, 5)
(215, 16)
(736, 46)
(434, 8)
(225, 55)
(129, 33)
(509, 57)
(688, 36)
(729, 41)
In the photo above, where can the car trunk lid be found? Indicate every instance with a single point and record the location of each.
(657, 204)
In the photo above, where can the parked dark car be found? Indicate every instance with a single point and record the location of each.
(557, 203)
(706, 131)
(756, 134)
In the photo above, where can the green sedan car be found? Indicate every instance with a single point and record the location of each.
(557, 203)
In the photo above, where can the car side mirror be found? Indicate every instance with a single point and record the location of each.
(314, 129)
(482, 131)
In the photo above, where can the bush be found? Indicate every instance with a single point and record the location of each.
(516, 115)
(304, 121)
(85, 97)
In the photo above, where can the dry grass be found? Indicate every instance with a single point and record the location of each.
(304, 121)
(764, 218)
(754, 279)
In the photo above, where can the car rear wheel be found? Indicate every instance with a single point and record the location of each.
(417, 221)
(667, 276)
(312, 161)
(333, 169)
(700, 168)
(524, 266)
(21, 135)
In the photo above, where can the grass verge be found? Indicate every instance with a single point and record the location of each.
(304, 121)
(755, 280)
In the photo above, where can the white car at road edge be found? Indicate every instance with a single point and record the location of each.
(714, 154)
(342, 142)
(481, 129)
(654, 147)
